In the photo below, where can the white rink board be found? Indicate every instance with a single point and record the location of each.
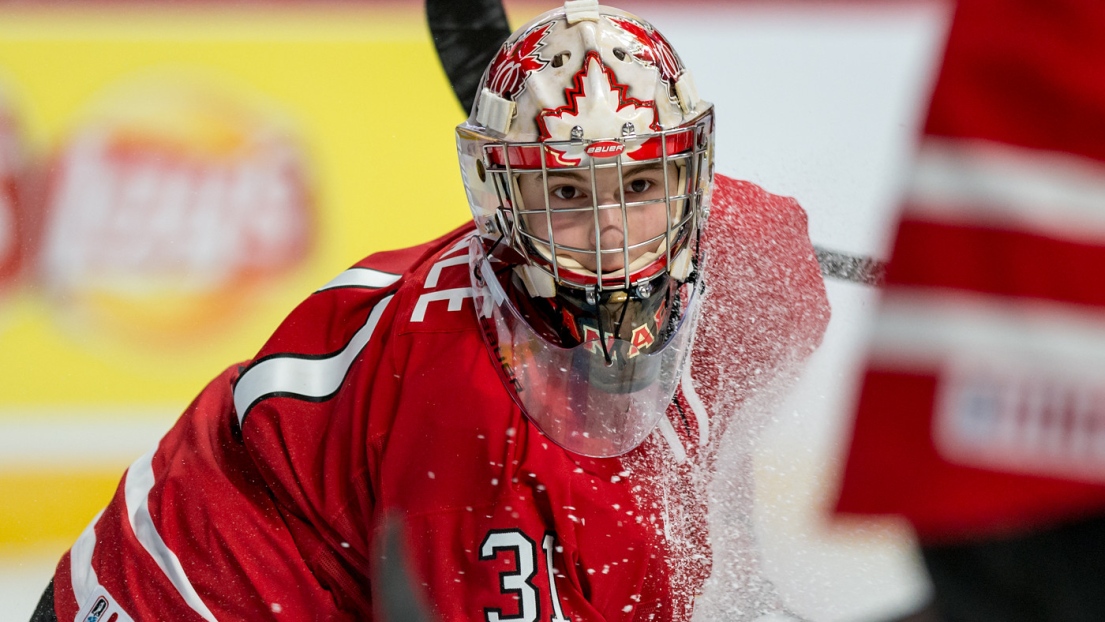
(822, 103)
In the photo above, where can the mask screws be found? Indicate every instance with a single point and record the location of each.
(628, 129)
(577, 133)
(644, 290)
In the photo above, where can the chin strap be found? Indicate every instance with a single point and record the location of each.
(538, 283)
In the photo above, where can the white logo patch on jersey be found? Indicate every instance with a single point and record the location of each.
(101, 607)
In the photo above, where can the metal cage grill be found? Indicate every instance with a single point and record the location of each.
(684, 204)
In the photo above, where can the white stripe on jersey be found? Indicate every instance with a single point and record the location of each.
(81, 572)
(435, 270)
(926, 328)
(672, 438)
(87, 591)
(697, 407)
(301, 377)
(139, 482)
(361, 277)
(980, 182)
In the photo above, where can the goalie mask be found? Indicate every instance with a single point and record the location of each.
(588, 164)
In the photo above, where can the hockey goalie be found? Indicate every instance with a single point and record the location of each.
(539, 394)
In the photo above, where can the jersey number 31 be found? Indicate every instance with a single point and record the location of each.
(519, 582)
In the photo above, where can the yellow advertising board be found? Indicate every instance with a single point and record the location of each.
(175, 179)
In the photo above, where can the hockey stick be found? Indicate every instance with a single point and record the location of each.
(399, 597)
(467, 33)
(855, 268)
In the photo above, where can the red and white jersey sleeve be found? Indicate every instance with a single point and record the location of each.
(377, 397)
(981, 407)
(190, 535)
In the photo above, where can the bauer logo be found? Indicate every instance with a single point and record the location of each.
(169, 206)
(605, 149)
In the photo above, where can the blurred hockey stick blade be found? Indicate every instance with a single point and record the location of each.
(466, 34)
(854, 268)
(398, 597)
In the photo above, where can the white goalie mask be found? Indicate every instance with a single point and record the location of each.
(588, 163)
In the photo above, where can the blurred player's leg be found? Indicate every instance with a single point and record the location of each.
(1045, 576)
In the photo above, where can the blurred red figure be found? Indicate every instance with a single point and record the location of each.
(981, 417)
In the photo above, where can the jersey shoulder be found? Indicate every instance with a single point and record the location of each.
(759, 253)
(766, 308)
(746, 209)
(336, 322)
(350, 322)
(328, 369)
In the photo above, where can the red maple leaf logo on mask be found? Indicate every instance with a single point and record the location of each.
(598, 105)
(515, 61)
(652, 48)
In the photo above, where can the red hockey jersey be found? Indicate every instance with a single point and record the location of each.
(981, 407)
(377, 396)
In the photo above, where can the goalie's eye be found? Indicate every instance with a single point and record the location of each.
(567, 193)
(638, 186)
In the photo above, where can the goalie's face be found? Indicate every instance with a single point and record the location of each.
(587, 161)
(623, 216)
